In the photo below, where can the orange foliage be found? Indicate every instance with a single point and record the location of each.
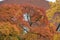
(14, 14)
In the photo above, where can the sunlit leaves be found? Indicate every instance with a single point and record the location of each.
(8, 32)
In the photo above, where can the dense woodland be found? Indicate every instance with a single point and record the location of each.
(24, 22)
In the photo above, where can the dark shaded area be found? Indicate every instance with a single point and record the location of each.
(58, 28)
(40, 3)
